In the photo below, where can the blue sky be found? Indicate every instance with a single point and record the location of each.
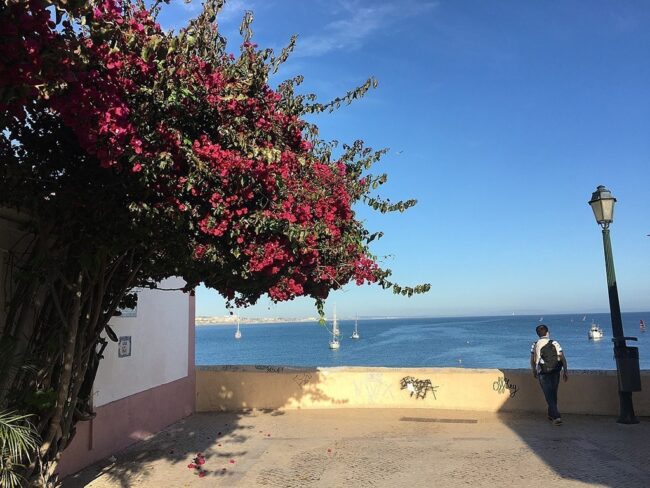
(502, 118)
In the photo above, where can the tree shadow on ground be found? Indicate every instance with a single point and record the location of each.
(218, 435)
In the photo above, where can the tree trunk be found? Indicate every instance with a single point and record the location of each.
(68, 362)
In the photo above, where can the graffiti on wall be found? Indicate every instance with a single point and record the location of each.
(502, 384)
(269, 369)
(230, 367)
(417, 387)
(373, 388)
(302, 379)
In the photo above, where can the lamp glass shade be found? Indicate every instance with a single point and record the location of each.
(602, 203)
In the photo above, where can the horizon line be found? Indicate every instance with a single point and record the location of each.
(425, 316)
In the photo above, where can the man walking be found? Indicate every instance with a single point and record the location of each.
(546, 361)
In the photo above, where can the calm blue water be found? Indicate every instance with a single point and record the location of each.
(471, 342)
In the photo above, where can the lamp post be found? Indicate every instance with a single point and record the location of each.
(627, 358)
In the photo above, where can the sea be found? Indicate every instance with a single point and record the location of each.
(466, 342)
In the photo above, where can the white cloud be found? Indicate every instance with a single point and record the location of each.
(356, 24)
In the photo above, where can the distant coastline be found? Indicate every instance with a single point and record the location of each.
(232, 319)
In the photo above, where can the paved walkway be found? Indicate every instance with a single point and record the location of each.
(382, 448)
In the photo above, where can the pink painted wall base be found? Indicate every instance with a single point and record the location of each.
(126, 421)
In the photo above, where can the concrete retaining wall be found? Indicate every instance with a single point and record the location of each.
(234, 388)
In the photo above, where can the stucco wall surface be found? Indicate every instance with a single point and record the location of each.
(159, 345)
(232, 388)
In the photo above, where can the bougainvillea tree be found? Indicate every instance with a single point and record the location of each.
(133, 154)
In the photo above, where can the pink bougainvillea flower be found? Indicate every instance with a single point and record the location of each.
(201, 474)
(232, 461)
(191, 465)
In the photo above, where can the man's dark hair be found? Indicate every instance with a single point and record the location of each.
(541, 330)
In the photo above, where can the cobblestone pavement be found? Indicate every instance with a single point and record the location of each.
(382, 448)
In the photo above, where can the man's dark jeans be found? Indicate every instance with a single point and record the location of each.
(550, 383)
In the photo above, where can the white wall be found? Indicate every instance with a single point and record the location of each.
(159, 345)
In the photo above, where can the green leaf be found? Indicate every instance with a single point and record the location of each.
(40, 399)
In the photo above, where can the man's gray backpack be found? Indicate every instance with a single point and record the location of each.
(549, 361)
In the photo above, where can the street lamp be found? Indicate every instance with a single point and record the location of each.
(627, 358)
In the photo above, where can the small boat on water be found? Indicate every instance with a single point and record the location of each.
(595, 332)
(238, 333)
(355, 333)
(642, 326)
(334, 343)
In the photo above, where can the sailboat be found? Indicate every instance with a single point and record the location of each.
(642, 326)
(238, 333)
(334, 343)
(355, 334)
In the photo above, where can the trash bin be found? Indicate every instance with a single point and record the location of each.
(627, 365)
